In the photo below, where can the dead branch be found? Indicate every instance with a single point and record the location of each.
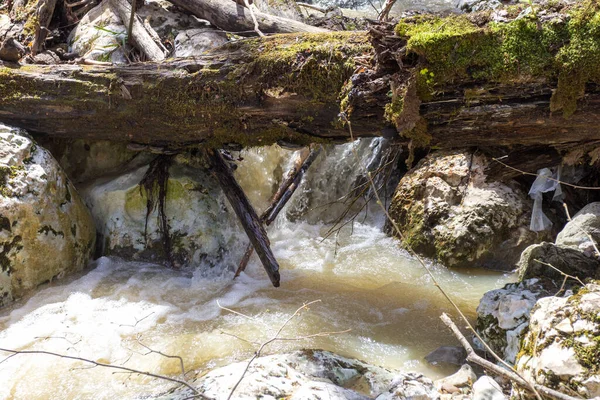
(275, 337)
(245, 213)
(589, 236)
(385, 11)
(138, 35)
(105, 365)
(565, 275)
(473, 357)
(287, 188)
(250, 8)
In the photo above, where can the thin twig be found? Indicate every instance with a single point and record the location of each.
(130, 27)
(565, 275)
(547, 177)
(100, 364)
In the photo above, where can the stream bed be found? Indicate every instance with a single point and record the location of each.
(364, 281)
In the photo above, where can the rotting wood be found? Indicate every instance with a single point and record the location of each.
(498, 370)
(286, 189)
(44, 14)
(140, 37)
(235, 18)
(245, 213)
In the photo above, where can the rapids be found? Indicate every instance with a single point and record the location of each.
(363, 280)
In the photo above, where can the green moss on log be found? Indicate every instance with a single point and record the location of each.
(564, 50)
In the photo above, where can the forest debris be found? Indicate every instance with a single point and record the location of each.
(142, 39)
(280, 198)
(245, 213)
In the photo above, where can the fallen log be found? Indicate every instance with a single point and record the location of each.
(245, 213)
(233, 17)
(251, 92)
(285, 191)
(445, 82)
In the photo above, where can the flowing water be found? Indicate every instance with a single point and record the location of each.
(363, 280)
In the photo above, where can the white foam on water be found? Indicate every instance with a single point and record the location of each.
(363, 280)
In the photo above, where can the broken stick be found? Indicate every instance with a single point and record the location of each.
(245, 213)
(280, 198)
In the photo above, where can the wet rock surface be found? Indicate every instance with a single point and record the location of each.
(503, 316)
(562, 348)
(446, 209)
(46, 231)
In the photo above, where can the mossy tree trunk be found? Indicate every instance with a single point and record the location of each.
(447, 82)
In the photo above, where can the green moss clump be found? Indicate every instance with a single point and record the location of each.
(455, 49)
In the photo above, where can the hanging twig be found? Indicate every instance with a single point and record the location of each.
(566, 276)
(518, 379)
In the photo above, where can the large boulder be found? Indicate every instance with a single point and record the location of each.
(46, 231)
(201, 229)
(303, 374)
(562, 347)
(503, 316)
(447, 209)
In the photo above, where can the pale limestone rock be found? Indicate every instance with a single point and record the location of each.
(195, 42)
(464, 377)
(562, 358)
(487, 388)
(447, 209)
(576, 233)
(304, 374)
(410, 386)
(46, 231)
(559, 360)
(503, 314)
(200, 225)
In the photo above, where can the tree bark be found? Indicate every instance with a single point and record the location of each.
(245, 212)
(233, 17)
(291, 88)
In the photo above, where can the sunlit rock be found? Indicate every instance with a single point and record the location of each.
(302, 374)
(46, 231)
(581, 230)
(446, 208)
(487, 388)
(463, 378)
(536, 260)
(564, 359)
(503, 316)
(411, 386)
